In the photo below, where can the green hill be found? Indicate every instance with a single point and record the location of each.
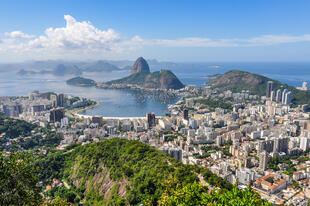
(163, 79)
(80, 81)
(236, 81)
(122, 172)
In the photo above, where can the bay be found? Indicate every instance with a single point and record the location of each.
(124, 103)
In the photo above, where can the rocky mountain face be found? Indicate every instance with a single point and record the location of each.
(140, 75)
(140, 65)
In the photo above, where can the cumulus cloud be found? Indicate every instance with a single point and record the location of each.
(75, 35)
(78, 37)
(19, 34)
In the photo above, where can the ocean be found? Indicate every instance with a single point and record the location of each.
(123, 103)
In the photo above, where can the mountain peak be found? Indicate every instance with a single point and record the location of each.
(140, 65)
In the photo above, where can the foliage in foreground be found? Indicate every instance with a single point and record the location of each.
(151, 178)
(196, 194)
(17, 182)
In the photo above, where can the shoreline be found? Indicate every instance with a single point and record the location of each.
(75, 114)
(84, 116)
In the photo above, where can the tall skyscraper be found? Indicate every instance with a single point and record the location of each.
(269, 89)
(283, 95)
(263, 161)
(54, 100)
(281, 145)
(150, 118)
(304, 143)
(272, 96)
(185, 114)
(60, 100)
(288, 98)
(279, 96)
(56, 114)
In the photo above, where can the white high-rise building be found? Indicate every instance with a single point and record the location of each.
(245, 176)
(279, 95)
(263, 161)
(273, 96)
(288, 98)
(283, 95)
(304, 143)
(193, 123)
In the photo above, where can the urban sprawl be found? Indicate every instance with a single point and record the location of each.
(246, 139)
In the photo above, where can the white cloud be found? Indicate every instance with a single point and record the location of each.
(186, 42)
(83, 39)
(264, 40)
(75, 35)
(19, 34)
(277, 39)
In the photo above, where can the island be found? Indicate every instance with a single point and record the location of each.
(81, 82)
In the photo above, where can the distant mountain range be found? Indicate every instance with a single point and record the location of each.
(74, 69)
(60, 68)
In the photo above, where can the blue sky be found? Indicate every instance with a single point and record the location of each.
(183, 30)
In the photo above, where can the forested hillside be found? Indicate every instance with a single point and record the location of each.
(123, 172)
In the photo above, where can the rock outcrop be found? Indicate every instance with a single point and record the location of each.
(140, 66)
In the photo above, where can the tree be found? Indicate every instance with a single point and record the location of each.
(57, 202)
(17, 180)
(197, 194)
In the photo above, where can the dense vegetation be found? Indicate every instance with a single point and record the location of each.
(137, 78)
(211, 104)
(122, 172)
(80, 81)
(17, 135)
(197, 194)
(163, 79)
(17, 183)
(275, 161)
(13, 127)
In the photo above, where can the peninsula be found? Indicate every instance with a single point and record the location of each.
(142, 77)
(238, 81)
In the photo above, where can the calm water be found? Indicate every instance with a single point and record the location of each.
(128, 104)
